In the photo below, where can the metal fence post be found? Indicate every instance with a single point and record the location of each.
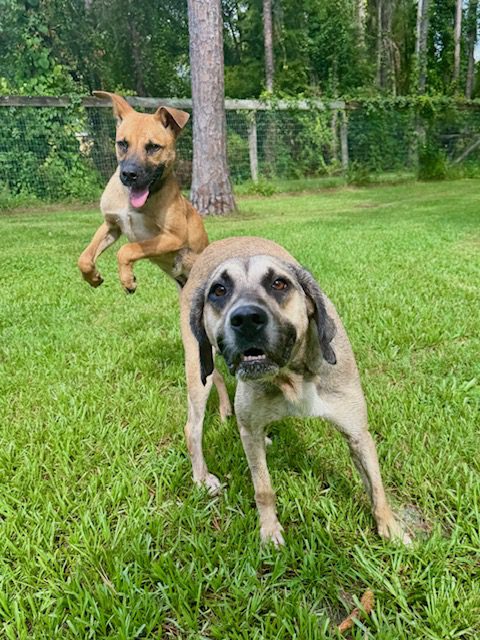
(252, 145)
(344, 140)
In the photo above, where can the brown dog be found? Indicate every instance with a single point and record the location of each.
(143, 200)
(283, 340)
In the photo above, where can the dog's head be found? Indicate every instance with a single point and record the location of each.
(145, 145)
(262, 314)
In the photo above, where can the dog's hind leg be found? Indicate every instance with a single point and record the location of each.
(223, 397)
(104, 237)
(349, 414)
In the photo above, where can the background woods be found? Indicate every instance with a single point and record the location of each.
(314, 47)
(402, 69)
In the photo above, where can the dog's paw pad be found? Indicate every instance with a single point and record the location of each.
(272, 533)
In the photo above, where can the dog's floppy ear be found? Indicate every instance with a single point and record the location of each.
(173, 118)
(121, 108)
(325, 325)
(198, 330)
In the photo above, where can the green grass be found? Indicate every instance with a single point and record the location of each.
(102, 533)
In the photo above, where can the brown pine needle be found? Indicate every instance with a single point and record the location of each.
(367, 601)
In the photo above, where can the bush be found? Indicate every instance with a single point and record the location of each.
(40, 154)
(9, 200)
(432, 163)
(262, 187)
(358, 174)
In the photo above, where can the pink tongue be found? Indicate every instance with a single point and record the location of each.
(138, 197)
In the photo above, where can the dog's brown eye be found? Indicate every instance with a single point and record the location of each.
(122, 145)
(219, 290)
(153, 148)
(279, 284)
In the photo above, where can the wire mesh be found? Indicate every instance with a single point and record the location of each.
(59, 153)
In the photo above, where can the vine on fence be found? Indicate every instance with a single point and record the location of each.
(65, 153)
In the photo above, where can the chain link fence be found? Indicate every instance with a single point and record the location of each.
(59, 151)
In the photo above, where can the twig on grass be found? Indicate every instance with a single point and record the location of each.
(367, 601)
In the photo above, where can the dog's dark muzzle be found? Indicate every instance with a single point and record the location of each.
(246, 351)
(136, 176)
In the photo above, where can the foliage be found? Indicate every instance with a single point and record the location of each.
(262, 187)
(432, 163)
(39, 155)
(102, 532)
(358, 174)
(142, 47)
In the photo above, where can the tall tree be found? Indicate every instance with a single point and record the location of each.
(421, 44)
(472, 27)
(458, 38)
(387, 50)
(268, 43)
(211, 191)
(360, 19)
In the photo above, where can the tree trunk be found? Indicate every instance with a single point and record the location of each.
(421, 43)
(379, 42)
(458, 38)
(472, 40)
(268, 44)
(211, 190)
(360, 18)
(387, 50)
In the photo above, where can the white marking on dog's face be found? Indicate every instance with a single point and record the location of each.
(255, 314)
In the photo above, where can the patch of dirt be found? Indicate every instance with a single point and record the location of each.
(415, 521)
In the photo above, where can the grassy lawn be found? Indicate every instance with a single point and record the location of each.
(102, 533)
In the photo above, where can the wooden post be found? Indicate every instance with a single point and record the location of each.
(344, 141)
(334, 130)
(252, 145)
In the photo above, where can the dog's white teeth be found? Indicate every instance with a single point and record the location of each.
(250, 358)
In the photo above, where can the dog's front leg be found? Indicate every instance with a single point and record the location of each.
(105, 236)
(133, 251)
(253, 440)
(348, 413)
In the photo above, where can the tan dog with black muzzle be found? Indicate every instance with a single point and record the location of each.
(283, 340)
(143, 200)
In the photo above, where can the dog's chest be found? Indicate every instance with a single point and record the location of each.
(309, 403)
(134, 225)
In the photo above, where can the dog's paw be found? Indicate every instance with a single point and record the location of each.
(93, 279)
(130, 286)
(226, 411)
(90, 274)
(96, 281)
(211, 483)
(272, 532)
(393, 530)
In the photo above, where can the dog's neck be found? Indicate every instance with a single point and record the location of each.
(161, 180)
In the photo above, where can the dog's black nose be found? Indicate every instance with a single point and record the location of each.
(129, 175)
(248, 319)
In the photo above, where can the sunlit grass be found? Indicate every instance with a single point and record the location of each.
(102, 534)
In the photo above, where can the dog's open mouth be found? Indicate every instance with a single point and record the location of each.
(138, 197)
(253, 355)
(254, 363)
